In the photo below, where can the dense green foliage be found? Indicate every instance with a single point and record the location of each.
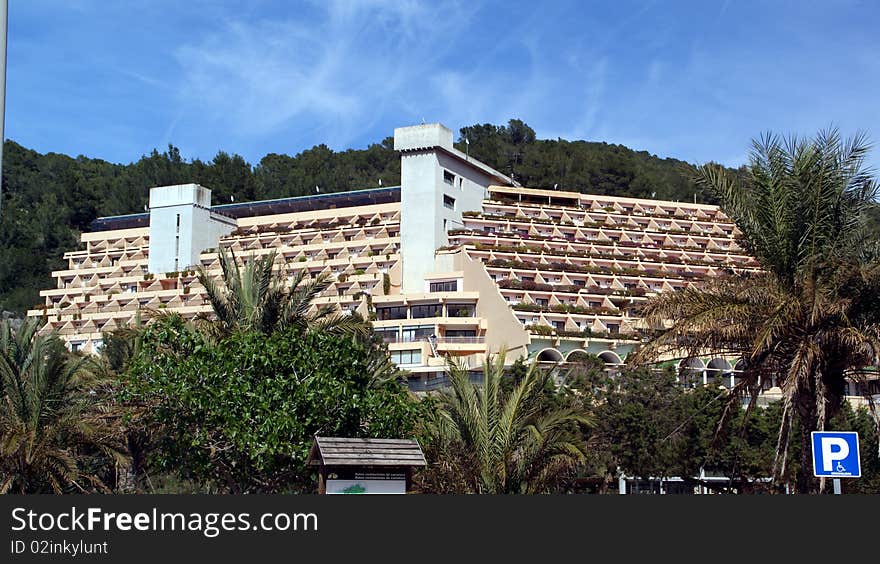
(485, 439)
(648, 424)
(580, 166)
(57, 431)
(810, 317)
(254, 296)
(239, 416)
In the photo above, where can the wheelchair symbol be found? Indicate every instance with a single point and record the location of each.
(840, 468)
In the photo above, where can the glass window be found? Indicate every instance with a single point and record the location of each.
(460, 333)
(406, 357)
(447, 286)
(448, 177)
(426, 310)
(417, 333)
(396, 312)
(388, 335)
(448, 202)
(460, 310)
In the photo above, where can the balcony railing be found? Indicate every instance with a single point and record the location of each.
(459, 340)
(403, 338)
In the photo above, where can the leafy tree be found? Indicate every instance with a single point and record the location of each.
(637, 420)
(57, 431)
(239, 416)
(580, 166)
(810, 318)
(229, 177)
(485, 441)
(254, 297)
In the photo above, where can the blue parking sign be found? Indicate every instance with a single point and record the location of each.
(836, 454)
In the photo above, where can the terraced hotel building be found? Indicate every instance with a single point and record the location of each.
(456, 261)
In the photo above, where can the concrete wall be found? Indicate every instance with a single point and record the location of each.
(418, 217)
(503, 331)
(431, 170)
(182, 226)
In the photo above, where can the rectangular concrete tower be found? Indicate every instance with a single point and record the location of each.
(437, 183)
(182, 225)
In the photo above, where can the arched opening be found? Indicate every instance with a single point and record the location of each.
(578, 355)
(691, 371)
(721, 370)
(549, 355)
(611, 359)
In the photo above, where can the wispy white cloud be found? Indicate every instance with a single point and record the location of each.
(335, 75)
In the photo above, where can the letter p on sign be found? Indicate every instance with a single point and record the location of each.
(834, 449)
(836, 454)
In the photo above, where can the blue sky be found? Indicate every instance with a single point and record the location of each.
(690, 80)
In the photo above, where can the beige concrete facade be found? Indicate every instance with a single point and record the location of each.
(542, 274)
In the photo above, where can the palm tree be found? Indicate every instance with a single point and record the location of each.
(254, 297)
(56, 433)
(487, 441)
(810, 317)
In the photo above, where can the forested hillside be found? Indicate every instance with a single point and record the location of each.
(48, 199)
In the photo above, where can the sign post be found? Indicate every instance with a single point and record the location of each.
(836, 456)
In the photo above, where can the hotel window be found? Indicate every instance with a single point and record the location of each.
(426, 310)
(447, 286)
(460, 310)
(417, 333)
(448, 202)
(460, 333)
(387, 335)
(448, 177)
(406, 357)
(613, 328)
(385, 313)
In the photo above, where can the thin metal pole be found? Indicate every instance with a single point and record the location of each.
(4, 9)
(836, 486)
